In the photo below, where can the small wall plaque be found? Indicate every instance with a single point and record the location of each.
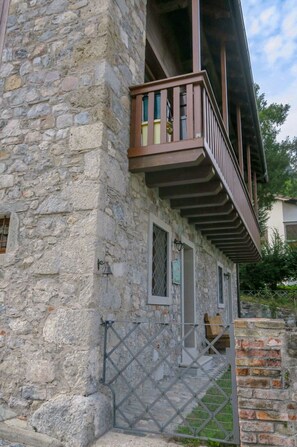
(176, 271)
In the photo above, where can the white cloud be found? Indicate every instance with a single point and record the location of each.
(289, 25)
(293, 70)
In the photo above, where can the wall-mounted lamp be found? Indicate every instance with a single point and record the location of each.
(179, 244)
(227, 275)
(106, 270)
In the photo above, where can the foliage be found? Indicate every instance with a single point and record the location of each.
(279, 263)
(281, 156)
(283, 298)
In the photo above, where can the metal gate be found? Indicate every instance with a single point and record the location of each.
(156, 391)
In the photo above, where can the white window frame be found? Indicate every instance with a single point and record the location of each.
(286, 237)
(220, 305)
(152, 299)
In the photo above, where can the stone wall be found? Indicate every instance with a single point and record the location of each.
(65, 120)
(256, 310)
(266, 361)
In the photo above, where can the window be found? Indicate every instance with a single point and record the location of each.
(291, 232)
(159, 263)
(4, 225)
(220, 287)
(4, 7)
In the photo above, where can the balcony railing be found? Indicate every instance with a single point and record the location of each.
(173, 117)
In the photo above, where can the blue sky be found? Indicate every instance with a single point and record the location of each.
(271, 27)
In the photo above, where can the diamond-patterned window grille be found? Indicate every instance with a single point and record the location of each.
(159, 262)
(4, 224)
(220, 286)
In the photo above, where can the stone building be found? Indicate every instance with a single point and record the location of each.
(90, 183)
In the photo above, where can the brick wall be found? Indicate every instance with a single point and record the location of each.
(266, 368)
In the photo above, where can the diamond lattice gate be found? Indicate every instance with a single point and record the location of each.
(156, 391)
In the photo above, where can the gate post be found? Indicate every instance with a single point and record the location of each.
(266, 371)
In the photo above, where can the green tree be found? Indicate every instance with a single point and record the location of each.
(276, 266)
(281, 156)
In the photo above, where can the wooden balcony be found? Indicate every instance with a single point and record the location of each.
(179, 140)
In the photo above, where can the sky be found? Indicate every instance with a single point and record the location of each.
(271, 27)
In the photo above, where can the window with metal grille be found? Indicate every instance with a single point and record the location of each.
(4, 226)
(220, 287)
(4, 8)
(159, 263)
(291, 232)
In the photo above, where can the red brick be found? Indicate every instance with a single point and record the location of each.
(252, 344)
(276, 440)
(251, 362)
(251, 382)
(271, 416)
(257, 404)
(277, 383)
(251, 438)
(265, 372)
(274, 363)
(247, 414)
(257, 426)
(242, 371)
(259, 353)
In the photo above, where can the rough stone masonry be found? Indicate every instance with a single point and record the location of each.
(64, 182)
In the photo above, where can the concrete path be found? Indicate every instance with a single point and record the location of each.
(114, 439)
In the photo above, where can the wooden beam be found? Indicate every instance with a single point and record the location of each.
(256, 208)
(213, 219)
(196, 190)
(196, 202)
(155, 162)
(227, 232)
(196, 35)
(249, 171)
(236, 244)
(229, 238)
(224, 86)
(239, 140)
(173, 177)
(235, 225)
(210, 211)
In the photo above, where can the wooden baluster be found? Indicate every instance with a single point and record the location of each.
(196, 35)
(163, 116)
(256, 208)
(190, 112)
(224, 86)
(137, 118)
(198, 111)
(239, 140)
(151, 109)
(176, 114)
(204, 103)
(249, 171)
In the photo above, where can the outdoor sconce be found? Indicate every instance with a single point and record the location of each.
(227, 275)
(179, 244)
(106, 270)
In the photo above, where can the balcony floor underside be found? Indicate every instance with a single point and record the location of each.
(188, 178)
